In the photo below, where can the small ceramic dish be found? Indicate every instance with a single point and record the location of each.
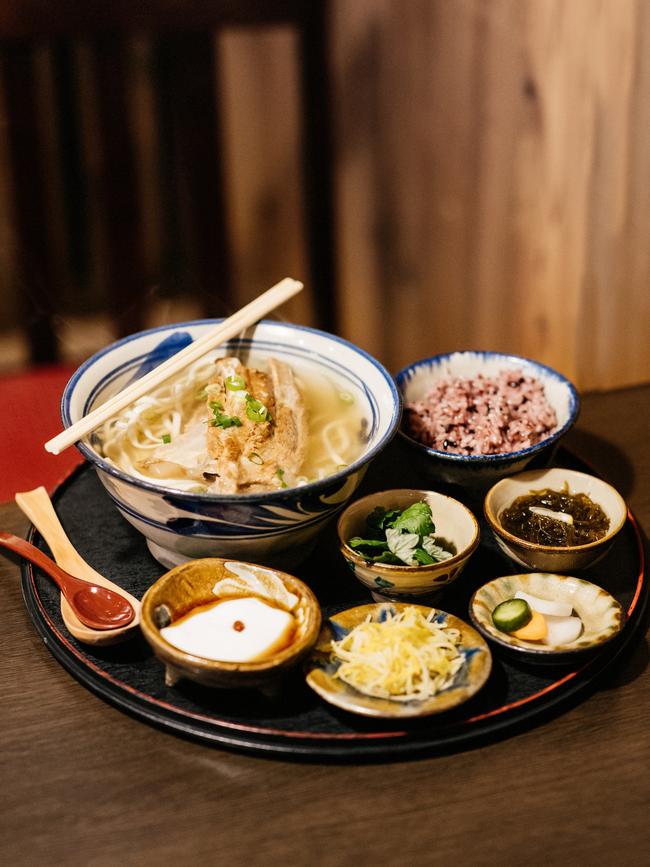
(322, 666)
(602, 616)
(478, 472)
(545, 558)
(456, 530)
(190, 585)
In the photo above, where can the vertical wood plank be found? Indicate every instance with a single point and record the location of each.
(493, 170)
(258, 77)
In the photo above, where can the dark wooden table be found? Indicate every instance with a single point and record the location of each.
(83, 783)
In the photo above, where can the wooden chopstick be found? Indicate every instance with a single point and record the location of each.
(233, 325)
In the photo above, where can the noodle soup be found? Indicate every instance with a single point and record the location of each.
(163, 437)
(346, 401)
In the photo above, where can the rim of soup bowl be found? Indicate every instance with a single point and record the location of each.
(402, 376)
(275, 496)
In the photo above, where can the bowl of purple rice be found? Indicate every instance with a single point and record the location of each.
(473, 417)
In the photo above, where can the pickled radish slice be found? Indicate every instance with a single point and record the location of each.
(546, 606)
(562, 630)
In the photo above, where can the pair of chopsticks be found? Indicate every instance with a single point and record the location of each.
(230, 327)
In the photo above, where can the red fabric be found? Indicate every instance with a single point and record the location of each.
(29, 416)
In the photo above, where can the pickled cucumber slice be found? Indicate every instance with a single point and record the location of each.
(511, 615)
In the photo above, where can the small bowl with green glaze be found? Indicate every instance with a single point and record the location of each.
(322, 665)
(456, 530)
(602, 616)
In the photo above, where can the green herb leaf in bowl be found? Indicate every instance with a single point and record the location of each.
(400, 537)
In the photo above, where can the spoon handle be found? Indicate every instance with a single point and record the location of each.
(37, 506)
(35, 555)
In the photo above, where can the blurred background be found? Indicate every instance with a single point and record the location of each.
(442, 174)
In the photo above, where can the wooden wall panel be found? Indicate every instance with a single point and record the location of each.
(492, 168)
(259, 85)
(494, 180)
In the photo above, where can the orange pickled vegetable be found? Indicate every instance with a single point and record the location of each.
(534, 630)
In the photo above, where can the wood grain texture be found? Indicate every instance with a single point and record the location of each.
(86, 784)
(493, 177)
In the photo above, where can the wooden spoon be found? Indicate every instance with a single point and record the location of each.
(95, 606)
(38, 507)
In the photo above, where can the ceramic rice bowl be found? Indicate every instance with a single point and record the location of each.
(456, 529)
(480, 471)
(277, 528)
(602, 616)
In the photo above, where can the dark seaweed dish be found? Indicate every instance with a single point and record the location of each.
(555, 518)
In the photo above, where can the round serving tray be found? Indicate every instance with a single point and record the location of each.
(300, 724)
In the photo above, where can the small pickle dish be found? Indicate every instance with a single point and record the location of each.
(601, 615)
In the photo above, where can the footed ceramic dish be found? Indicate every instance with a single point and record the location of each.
(190, 585)
(322, 666)
(602, 615)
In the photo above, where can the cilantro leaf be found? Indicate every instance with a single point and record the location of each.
(379, 519)
(422, 557)
(221, 420)
(415, 519)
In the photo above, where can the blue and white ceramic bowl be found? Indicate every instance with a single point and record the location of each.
(480, 471)
(277, 528)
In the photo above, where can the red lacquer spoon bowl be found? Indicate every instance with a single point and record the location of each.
(95, 606)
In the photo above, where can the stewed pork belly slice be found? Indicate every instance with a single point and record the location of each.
(232, 434)
(290, 436)
(257, 429)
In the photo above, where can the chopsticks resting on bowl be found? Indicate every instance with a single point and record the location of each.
(230, 327)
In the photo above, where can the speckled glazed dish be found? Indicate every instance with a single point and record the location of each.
(545, 557)
(456, 530)
(602, 616)
(321, 667)
(189, 585)
(478, 472)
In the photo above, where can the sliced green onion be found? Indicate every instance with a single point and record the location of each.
(235, 383)
(221, 420)
(201, 394)
(256, 411)
(280, 474)
(255, 458)
(346, 397)
(166, 438)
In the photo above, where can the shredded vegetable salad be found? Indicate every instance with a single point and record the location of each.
(404, 657)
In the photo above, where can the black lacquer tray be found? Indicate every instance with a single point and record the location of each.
(301, 724)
